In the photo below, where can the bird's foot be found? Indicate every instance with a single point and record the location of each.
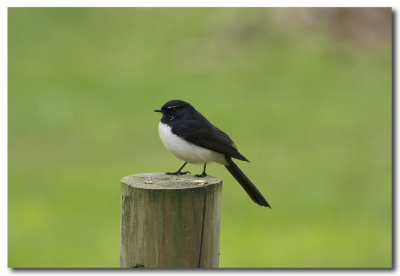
(201, 175)
(176, 173)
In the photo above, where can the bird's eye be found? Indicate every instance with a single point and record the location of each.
(173, 108)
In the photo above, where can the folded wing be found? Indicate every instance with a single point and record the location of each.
(209, 137)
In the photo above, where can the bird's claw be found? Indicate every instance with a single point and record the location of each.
(201, 175)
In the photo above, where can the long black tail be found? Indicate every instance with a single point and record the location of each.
(249, 187)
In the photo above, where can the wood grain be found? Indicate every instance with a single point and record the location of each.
(170, 221)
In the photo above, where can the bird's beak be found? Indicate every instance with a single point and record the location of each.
(158, 110)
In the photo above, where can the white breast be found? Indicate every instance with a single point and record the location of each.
(187, 151)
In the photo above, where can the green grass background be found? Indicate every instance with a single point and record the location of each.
(310, 109)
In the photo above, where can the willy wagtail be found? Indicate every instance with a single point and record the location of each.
(193, 139)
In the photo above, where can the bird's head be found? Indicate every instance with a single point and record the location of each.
(174, 109)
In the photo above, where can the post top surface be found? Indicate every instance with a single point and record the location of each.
(162, 181)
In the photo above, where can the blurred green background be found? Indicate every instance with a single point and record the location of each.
(304, 93)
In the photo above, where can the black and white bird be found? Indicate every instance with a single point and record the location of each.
(192, 138)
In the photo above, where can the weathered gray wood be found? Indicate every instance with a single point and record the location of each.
(170, 221)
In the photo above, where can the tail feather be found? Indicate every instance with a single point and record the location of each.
(249, 187)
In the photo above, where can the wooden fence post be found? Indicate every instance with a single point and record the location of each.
(170, 221)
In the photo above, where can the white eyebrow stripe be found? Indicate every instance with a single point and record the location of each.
(172, 106)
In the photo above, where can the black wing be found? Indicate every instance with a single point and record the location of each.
(207, 136)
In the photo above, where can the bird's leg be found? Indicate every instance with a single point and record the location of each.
(204, 172)
(178, 172)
